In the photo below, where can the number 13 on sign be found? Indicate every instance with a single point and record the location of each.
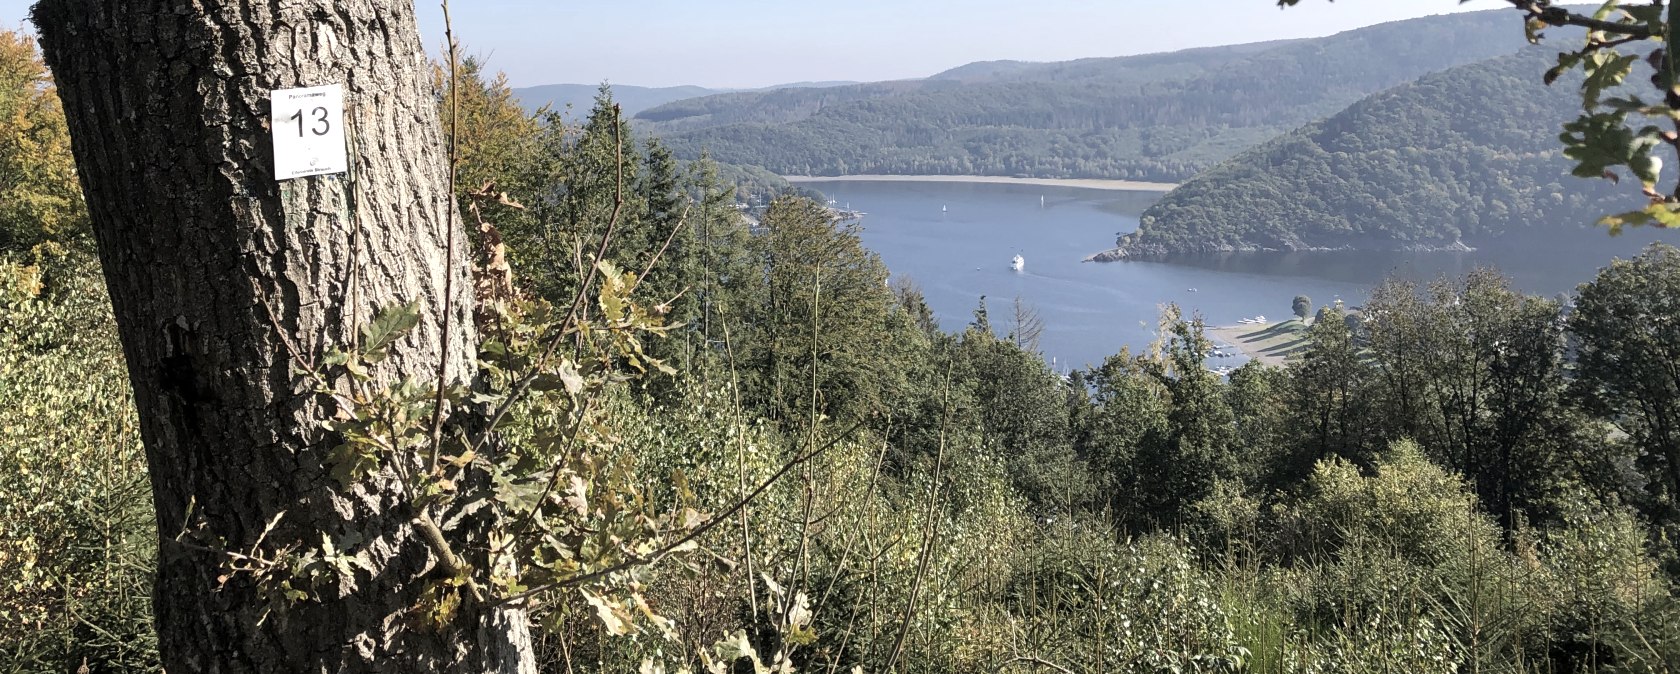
(308, 129)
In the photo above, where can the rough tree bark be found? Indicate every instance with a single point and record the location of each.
(167, 102)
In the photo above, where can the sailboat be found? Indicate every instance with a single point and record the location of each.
(1018, 264)
(944, 209)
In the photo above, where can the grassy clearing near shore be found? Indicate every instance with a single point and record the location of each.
(1272, 344)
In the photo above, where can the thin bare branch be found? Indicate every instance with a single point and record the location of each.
(740, 460)
(682, 220)
(1035, 660)
(1544, 11)
(524, 384)
(930, 528)
(691, 535)
(449, 237)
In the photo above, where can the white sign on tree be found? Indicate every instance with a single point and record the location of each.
(308, 128)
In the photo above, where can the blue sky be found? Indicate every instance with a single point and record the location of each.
(750, 43)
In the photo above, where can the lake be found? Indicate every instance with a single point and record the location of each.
(955, 241)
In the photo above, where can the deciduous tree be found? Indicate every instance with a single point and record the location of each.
(227, 280)
(1627, 322)
(39, 198)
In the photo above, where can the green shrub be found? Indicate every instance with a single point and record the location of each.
(1386, 571)
(1410, 508)
(1610, 608)
(76, 531)
(1089, 602)
(1399, 569)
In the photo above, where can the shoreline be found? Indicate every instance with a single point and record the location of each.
(1157, 252)
(1079, 183)
(1233, 334)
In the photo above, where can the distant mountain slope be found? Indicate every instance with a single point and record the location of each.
(791, 106)
(980, 71)
(1470, 154)
(1150, 117)
(631, 99)
(580, 97)
(1177, 64)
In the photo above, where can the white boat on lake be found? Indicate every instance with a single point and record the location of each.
(1018, 264)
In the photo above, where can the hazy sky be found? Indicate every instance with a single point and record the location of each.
(749, 43)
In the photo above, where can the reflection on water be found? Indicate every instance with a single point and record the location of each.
(955, 240)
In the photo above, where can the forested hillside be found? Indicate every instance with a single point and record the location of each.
(1468, 155)
(1138, 68)
(1155, 117)
(579, 98)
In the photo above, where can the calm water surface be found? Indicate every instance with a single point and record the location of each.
(955, 240)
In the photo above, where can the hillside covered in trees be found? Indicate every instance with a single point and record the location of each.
(579, 98)
(1469, 155)
(1157, 117)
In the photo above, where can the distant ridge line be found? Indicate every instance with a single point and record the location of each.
(1081, 183)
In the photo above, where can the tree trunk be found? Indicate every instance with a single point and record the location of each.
(218, 272)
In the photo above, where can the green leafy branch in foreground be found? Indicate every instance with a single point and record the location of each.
(1618, 127)
(544, 473)
(520, 505)
(542, 487)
